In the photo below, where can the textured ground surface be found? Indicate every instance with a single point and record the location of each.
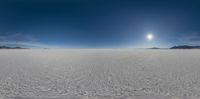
(100, 74)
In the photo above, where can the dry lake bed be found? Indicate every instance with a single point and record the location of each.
(99, 74)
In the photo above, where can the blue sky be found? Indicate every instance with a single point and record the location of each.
(99, 23)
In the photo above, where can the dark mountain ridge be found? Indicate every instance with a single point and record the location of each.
(8, 47)
(185, 47)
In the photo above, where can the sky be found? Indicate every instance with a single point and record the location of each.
(99, 23)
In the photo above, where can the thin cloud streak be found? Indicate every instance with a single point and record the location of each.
(190, 39)
(22, 40)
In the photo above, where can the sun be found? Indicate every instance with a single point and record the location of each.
(149, 36)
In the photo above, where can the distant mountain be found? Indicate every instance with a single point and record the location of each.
(185, 47)
(155, 48)
(8, 47)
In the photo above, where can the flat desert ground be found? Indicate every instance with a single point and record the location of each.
(99, 74)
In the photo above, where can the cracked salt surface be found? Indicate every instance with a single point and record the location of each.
(99, 74)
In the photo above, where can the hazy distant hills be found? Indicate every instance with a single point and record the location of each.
(156, 48)
(185, 47)
(8, 47)
(174, 47)
(179, 47)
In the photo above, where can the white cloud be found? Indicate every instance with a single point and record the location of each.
(191, 39)
(23, 40)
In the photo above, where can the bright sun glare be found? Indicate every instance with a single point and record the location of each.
(149, 36)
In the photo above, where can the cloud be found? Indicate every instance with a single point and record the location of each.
(21, 39)
(17, 37)
(190, 38)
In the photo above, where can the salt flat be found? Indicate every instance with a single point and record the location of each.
(99, 74)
